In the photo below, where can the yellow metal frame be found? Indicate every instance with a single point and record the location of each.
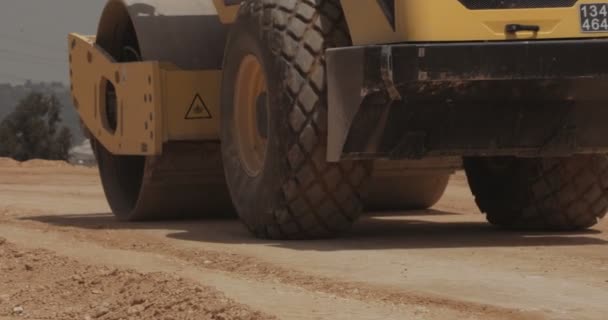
(227, 13)
(156, 102)
(449, 20)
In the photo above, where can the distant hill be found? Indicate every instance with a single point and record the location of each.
(10, 95)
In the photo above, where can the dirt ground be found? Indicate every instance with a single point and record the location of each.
(63, 256)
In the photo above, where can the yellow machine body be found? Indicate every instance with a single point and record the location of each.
(447, 20)
(158, 101)
(450, 20)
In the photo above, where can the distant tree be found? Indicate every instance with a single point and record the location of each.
(32, 130)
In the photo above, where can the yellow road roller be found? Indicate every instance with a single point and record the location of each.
(298, 115)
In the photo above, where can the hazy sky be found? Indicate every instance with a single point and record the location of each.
(33, 36)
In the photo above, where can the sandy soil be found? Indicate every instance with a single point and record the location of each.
(63, 256)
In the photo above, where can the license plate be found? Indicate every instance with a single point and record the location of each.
(594, 17)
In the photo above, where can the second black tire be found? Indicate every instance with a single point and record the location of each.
(541, 193)
(296, 194)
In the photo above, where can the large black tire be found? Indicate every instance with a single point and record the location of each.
(405, 192)
(551, 194)
(296, 194)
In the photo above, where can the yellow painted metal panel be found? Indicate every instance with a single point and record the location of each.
(227, 13)
(138, 99)
(191, 104)
(156, 102)
(449, 20)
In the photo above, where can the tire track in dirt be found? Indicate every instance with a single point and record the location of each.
(38, 284)
(250, 268)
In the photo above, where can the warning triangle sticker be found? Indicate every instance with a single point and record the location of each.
(198, 109)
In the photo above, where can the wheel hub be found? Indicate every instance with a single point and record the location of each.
(251, 115)
(262, 115)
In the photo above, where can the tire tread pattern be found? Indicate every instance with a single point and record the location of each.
(321, 199)
(558, 194)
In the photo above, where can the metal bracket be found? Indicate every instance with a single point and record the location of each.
(152, 100)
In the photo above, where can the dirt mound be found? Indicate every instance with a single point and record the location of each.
(38, 284)
(38, 163)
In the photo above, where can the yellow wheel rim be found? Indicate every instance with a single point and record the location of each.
(251, 115)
